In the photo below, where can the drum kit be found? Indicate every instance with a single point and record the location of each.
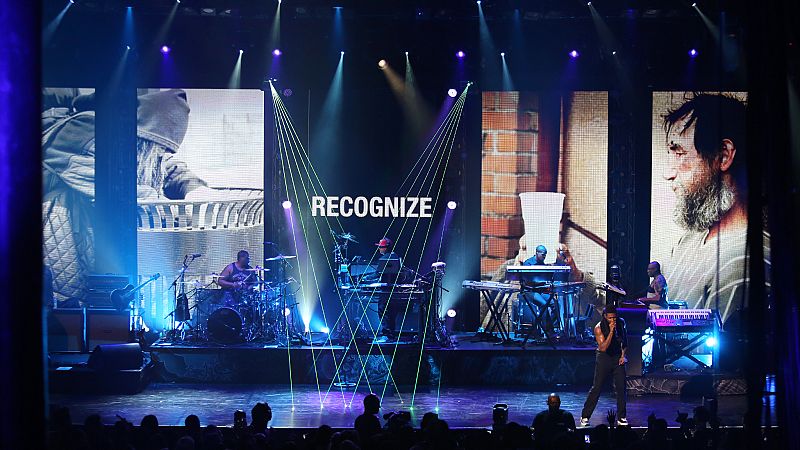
(258, 311)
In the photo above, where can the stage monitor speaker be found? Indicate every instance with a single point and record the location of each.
(114, 357)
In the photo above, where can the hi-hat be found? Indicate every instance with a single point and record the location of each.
(280, 258)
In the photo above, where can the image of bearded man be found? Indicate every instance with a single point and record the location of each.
(706, 145)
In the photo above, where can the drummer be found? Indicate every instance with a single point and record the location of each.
(234, 278)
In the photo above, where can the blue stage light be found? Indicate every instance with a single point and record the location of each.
(452, 93)
(693, 52)
(451, 204)
(711, 341)
(277, 52)
(574, 54)
(460, 54)
(286, 204)
(164, 49)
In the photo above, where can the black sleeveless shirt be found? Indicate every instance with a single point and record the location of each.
(620, 339)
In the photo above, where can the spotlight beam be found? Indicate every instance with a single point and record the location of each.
(235, 80)
(50, 29)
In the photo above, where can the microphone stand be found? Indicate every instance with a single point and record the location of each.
(182, 294)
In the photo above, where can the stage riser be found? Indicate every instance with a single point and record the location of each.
(543, 369)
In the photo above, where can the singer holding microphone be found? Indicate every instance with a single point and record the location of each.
(612, 343)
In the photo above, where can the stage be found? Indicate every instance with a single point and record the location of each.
(308, 386)
(303, 406)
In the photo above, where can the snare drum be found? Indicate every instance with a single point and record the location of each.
(225, 326)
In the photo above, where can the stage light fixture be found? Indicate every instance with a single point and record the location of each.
(241, 51)
(502, 54)
(574, 54)
(614, 52)
(73, 1)
(711, 341)
(460, 54)
(406, 53)
(325, 330)
(286, 204)
(451, 313)
(478, 2)
(164, 49)
(287, 92)
(341, 53)
(588, 3)
(287, 312)
(127, 47)
(693, 53)
(694, 5)
(451, 204)
(277, 52)
(452, 92)
(382, 64)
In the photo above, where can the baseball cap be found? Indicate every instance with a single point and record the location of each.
(385, 242)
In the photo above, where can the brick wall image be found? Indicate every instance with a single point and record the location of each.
(510, 133)
(544, 142)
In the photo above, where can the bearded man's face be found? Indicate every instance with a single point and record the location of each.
(702, 195)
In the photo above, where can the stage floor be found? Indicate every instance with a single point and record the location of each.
(303, 406)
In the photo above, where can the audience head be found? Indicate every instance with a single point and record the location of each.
(185, 443)
(372, 404)
(192, 422)
(149, 423)
(261, 413)
(553, 402)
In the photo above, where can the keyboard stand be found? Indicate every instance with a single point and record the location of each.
(537, 323)
(497, 305)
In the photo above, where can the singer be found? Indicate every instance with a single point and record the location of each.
(612, 343)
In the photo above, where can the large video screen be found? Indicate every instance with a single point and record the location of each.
(68, 132)
(699, 198)
(544, 180)
(200, 190)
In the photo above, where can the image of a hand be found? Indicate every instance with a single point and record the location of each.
(611, 417)
(622, 360)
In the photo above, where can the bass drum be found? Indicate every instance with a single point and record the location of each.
(225, 326)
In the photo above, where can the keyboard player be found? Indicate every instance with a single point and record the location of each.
(540, 298)
(387, 310)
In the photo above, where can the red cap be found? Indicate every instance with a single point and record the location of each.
(385, 242)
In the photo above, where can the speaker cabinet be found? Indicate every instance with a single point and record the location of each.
(114, 357)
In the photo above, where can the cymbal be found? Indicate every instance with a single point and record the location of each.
(257, 269)
(280, 258)
(348, 237)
